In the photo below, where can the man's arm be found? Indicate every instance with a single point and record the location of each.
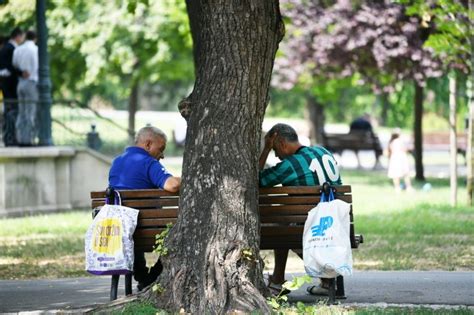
(172, 184)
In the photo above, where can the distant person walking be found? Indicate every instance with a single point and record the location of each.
(8, 83)
(398, 165)
(25, 59)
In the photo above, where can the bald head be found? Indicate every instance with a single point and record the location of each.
(149, 133)
(153, 140)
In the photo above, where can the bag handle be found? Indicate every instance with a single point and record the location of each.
(112, 197)
(118, 198)
(327, 192)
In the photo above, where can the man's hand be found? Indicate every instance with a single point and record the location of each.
(25, 75)
(4, 73)
(269, 140)
(172, 184)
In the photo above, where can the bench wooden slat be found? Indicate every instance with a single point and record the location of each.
(158, 213)
(281, 245)
(141, 232)
(155, 222)
(277, 230)
(300, 190)
(297, 200)
(153, 193)
(285, 210)
(138, 193)
(284, 219)
(143, 203)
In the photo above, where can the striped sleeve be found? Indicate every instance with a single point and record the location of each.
(279, 174)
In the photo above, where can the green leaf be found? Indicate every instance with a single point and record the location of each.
(273, 303)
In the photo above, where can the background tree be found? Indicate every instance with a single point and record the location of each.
(213, 264)
(111, 48)
(453, 41)
(374, 39)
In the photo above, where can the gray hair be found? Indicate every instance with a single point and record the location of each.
(285, 132)
(149, 132)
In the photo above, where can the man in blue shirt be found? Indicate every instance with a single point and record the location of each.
(139, 167)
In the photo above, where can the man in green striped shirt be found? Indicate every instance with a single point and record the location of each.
(299, 166)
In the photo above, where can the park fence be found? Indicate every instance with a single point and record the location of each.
(76, 124)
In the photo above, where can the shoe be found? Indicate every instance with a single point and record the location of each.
(144, 284)
(277, 289)
(140, 286)
(317, 290)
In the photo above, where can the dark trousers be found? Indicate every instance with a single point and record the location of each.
(141, 272)
(10, 113)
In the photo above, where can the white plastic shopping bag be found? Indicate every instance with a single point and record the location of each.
(326, 244)
(109, 241)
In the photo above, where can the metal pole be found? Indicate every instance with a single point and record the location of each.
(44, 84)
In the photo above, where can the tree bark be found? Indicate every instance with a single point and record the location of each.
(213, 264)
(452, 140)
(316, 119)
(418, 132)
(132, 110)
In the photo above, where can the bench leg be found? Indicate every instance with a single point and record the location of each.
(114, 287)
(332, 291)
(340, 293)
(128, 284)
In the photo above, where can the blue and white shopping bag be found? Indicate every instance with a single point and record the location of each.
(327, 249)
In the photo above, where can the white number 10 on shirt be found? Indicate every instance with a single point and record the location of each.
(328, 161)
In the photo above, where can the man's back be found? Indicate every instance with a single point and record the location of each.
(6, 57)
(361, 124)
(136, 169)
(308, 166)
(25, 58)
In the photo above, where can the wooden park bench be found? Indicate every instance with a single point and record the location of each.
(283, 211)
(354, 141)
(441, 141)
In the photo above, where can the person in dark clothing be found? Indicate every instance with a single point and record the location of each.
(361, 124)
(9, 82)
(363, 127)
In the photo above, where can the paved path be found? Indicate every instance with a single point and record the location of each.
(447, 288)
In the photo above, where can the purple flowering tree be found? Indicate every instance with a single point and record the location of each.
(374, 39)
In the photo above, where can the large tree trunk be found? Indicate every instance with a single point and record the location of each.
(316, 119)
(213, 265)
(418, 132)
(132, 110)
(452, 140)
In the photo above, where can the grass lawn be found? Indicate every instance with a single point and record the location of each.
(417, 231)
(145, 309)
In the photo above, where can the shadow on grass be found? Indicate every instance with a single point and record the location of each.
(62, 256)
